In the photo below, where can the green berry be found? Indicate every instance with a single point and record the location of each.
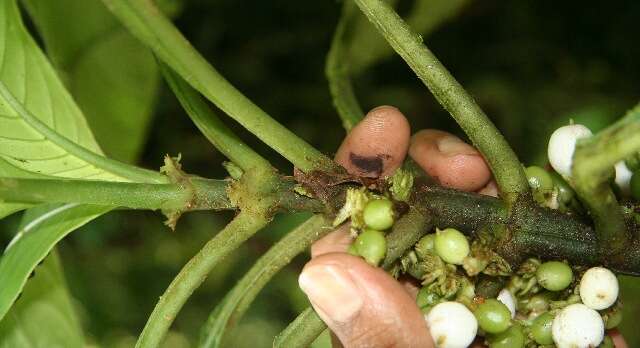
(493, 316)
(371, 245)
(634, 185)
(565, 192)
(541, 329)
(613, 319)
(451, 245)
(554, 275)
(539, 179)
(511, 338)
(426, 245)
(539, 303)
(427, 299)
(378, 214)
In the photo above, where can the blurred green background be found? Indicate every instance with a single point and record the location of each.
(531, 65)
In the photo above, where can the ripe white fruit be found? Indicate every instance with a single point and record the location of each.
(599, 288)
(562, 144)
(577, 326)
(452, 325)
(507, 298)
(623, 176)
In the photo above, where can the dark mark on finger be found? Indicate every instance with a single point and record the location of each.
(368, 164)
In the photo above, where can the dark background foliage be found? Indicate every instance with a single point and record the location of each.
(532, 66)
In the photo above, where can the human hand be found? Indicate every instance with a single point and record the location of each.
(363, 305)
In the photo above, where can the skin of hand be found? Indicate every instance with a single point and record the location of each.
(361, 304)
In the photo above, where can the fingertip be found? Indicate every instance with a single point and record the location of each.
(372, 310)
(448, 159)
(377, 145)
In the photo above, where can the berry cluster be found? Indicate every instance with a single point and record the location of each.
(469, 292)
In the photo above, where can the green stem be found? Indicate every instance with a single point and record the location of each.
(594, 160)
(203, 194)
(151, 27)
(194, 273)
(368, 47)
(206, 194)
(302, 331)
(337, 70)
(229, 312)
(506, 168)
(211, 126)
(405, 234)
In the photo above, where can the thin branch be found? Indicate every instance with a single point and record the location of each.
(151, 27)
(206, 194)
(485, 136)
(337, 69)
(211, 126)
(229, 312)
(194, 273)
(302, 331)
(594, 162)
(369, 47)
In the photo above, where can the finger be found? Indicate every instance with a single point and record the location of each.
(491, 189)
(618, 340)
(448, 159)
(337, 241)
(377, 145)
(363, 305)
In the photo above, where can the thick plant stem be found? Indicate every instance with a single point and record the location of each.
(594, 160)
(337, 70)
(302, 331)
(204, 194)
(506, 168)
(211, 126)
(151, 27)
(194, 273)
(229, 312)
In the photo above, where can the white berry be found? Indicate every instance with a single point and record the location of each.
(562, 144)
(623, 176)
(577, 326)
(507, 298)
(599, 288)
(452, 325)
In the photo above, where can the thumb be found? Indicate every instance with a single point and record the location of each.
(361, 304)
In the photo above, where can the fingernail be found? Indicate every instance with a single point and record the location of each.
(452, 146)
(331, 290)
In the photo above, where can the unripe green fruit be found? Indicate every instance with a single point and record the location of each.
(554, 275)
(565, 192)
(634, 185)
(539, 179)
(614, 319)
(451, 245)
(426, 245)
(371, 245)
(511, 338)
(427, 299)
(541, 329)
(378, 214)
(493, 316)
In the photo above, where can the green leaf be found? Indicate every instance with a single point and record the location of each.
(112, 76)
(44, 315)
(42, 131)
(34, 240)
